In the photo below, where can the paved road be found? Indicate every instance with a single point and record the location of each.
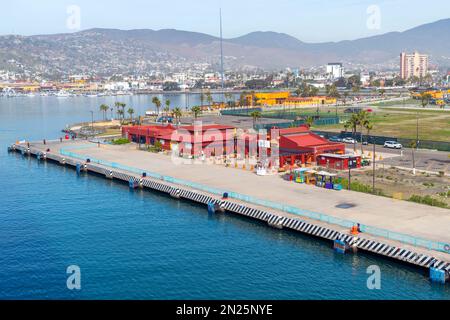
(428, 160)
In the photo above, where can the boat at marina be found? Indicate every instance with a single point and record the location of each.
(62, 94)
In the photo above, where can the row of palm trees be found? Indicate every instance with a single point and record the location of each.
(176, 112)
(361, 120)
(120, 106)
(158, 104)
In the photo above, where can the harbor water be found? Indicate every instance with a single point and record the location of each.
(142, 245)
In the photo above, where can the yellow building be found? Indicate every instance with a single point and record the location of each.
(284, 98)
(434, 94)
(317, 100)
(267, 98)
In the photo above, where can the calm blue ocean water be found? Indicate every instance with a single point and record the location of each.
(140, 245)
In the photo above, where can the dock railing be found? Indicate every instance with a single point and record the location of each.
(403, 238)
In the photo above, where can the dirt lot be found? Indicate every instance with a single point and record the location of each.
(402, 184)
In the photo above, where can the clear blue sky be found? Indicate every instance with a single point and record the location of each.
(308, 20)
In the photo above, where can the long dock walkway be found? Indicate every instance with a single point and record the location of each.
(400, 230)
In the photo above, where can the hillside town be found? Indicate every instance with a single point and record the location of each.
(202, 76)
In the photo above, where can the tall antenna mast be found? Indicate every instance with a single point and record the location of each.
(221, 53)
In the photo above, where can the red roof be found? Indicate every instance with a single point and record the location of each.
(207, 127)
(302, 139)
(306, 140)
(299, 129)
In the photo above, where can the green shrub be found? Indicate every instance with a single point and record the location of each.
(156, 147)
(444, 194)
(428, 200)
(360, 187)
(120, 141)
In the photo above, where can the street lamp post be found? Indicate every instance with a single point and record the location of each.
(373, 168)
(349, 174)
(92, 120)
(417, 130)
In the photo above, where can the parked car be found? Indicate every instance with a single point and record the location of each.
(335, 139)
(392, 145)
(353, 110)
(348, 140)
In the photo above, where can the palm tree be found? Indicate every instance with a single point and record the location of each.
(177, 114)
(425, 99)
(202, 99)
(369, 127)
(157, 103)
(123, 105)
(355, 89)
(309, 121)
(346, 126)
(353, 123)
(120, 109)
(167, 108)
(104, 108)
(229, 97)
(196, 110)
(120, 113)
(209, 99)
(243, 99)
(313, 91)
(363, 121)
(255, 99)
(255, 115)
(130, 112)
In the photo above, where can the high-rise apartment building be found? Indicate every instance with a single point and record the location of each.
(413, 65)
(335, 70)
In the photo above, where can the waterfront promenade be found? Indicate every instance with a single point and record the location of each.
(400, 216)
(428, 223)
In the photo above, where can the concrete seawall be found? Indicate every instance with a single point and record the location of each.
(435, 262)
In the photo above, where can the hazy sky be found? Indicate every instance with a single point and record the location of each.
(308, 20)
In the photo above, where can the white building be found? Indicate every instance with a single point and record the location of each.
(335, 70)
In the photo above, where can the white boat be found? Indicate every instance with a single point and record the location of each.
(8, 92)
(151, 113)
(62, 94)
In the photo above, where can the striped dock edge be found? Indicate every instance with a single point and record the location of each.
(93, 168)
(402, 254)
(196, 197)
(122, 176)
(276, 221)
(175, 193)
(157, 186)
(244, 210)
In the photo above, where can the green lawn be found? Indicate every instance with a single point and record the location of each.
(433, 125)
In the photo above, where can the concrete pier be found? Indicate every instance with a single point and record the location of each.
(421, 223)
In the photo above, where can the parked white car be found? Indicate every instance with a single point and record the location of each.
(348, 140)
(392, 145)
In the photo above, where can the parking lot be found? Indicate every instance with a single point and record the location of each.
(427, 160)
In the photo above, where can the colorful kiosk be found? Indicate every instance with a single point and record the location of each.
(305, 175)
(328, 180)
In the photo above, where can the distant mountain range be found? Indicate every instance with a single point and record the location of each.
(105, 51)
